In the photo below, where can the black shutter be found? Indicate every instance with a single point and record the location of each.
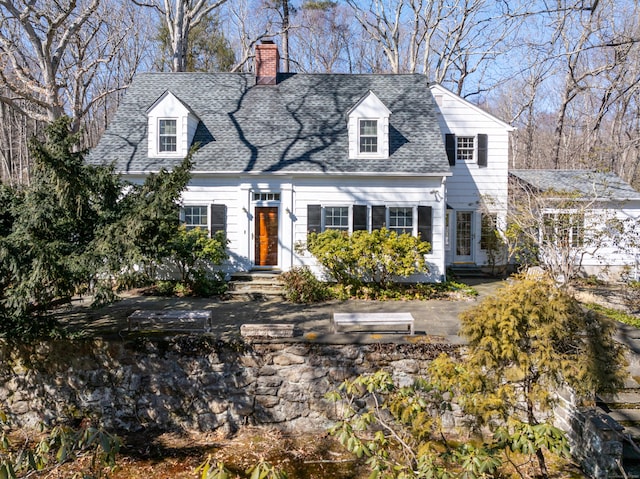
(450, 146)
(425, 230)
(483, 141)
(359, 218)
(378, 217)
(218, 219)
(314, 218)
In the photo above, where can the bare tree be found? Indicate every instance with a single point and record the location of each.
(60, 58)
(322, 42)
(180, 17)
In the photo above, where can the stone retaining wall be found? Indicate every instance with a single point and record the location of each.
(595, 438)
(194, 383)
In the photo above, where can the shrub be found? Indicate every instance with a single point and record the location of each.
(193, 252)
(206, 286)
(301, 286)
(524, 343)
(378, 257)
(164, 288)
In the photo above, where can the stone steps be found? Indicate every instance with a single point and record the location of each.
(624, 408)
(256, 284)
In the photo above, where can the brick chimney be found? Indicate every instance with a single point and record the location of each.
(267, 63)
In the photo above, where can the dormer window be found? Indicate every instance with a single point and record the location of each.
(171, 126)
(368, 126)
(368, 136)
(167, 136)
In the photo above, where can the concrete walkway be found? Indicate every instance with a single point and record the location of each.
(436, 319)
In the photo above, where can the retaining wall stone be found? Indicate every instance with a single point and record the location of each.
(195, 383)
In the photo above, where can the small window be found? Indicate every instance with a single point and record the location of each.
(368, 136)
(401, 220)
(168, 136)
(488, 231)
(336, 218)
(266, 197)
(465, 148)
(195, 217)
(564, 229)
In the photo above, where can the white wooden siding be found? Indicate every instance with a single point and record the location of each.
(470, 184)
(622, 252)
(296, 194)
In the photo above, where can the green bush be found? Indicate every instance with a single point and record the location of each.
(301, 286)
(164, 288)
(206, 286)
(378, 257)
(193, 252)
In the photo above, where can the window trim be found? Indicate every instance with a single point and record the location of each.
(362, 136)
(349, 216)
(183, 216)
(396, 228)
(160, 136)
(466, 153)
(575, 230)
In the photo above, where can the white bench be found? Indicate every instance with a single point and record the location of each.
(373, 319)
(186, 319)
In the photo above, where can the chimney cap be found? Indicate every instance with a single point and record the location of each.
(267, 42)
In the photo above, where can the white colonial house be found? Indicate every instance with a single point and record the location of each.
(282, 155)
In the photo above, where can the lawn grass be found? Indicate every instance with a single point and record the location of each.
(615, 314)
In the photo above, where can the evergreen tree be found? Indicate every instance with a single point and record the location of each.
(76, 227)
(526, 343)
(208, 50)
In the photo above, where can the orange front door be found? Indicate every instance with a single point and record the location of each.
(266, 236)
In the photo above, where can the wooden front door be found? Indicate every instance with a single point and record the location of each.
(266, 235)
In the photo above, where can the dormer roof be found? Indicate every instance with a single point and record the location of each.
(169, 97)
(369, 104)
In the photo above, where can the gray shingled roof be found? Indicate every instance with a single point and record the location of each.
(298, 125)
(586, 183)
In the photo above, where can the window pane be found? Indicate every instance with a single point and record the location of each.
(168, 138)
(369, 127)
(464, 148)
(368, 145)
(195, 217)
(336, 218)
(368, 136)
(168, 143)
(401, 220)
(488, 231)
(167, 127)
